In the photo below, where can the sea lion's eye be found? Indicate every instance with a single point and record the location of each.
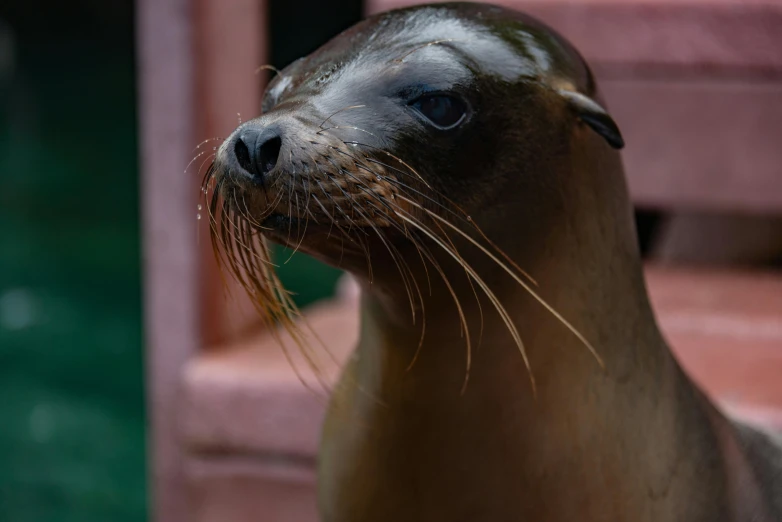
(442, 110)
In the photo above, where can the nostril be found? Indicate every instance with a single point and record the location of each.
(268, 154)
(257, 151)
(243, 155)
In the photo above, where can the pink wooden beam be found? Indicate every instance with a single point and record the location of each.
(728, 34)
(701, 145)
(724, 326)
(166, 121)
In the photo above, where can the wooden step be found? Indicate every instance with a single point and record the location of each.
(669, 37)
(251, 428)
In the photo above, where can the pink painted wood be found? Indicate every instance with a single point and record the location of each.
(196, 72)
(166, 117)
(701, 145)
(230, 47)
(724, 326)
(231, 489)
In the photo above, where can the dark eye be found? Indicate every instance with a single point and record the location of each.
(442, 110)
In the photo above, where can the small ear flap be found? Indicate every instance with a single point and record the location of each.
(591, 113)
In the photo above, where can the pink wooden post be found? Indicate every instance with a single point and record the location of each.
(196, 72)
(166, 117)
(230, 46)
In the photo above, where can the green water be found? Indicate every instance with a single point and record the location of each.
(71, 389)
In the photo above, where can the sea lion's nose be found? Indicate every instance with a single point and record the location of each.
(257, 151)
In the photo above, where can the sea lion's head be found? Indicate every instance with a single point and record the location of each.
(452, 109)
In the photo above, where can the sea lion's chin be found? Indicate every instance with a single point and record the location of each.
(297, 233)
(328, 244)
(301, 229)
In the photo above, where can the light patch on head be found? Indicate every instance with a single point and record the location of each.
(279, 87)
(476, 45)
(540, 56)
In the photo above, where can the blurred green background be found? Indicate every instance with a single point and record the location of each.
(71, 388)
(72, 413)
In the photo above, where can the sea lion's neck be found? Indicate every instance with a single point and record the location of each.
(415, 427)
(433, 352)
(423, 429)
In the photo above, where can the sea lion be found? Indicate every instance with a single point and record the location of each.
(458, 160)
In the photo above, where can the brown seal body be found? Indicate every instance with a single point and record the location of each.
(435, 152)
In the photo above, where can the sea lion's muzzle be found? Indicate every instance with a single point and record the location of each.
(282, 165)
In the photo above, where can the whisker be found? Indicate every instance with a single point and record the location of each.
(267, 67)
(492, 297)
(206, 159)
(341, 110)
(519, 281)
(336, 127)
(464, 216)
(303, 234)
(394, 256)
(392, 156)
(207, 140)
(198, 155)
(428, 44)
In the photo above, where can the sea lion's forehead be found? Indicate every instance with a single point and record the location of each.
(492, 40)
